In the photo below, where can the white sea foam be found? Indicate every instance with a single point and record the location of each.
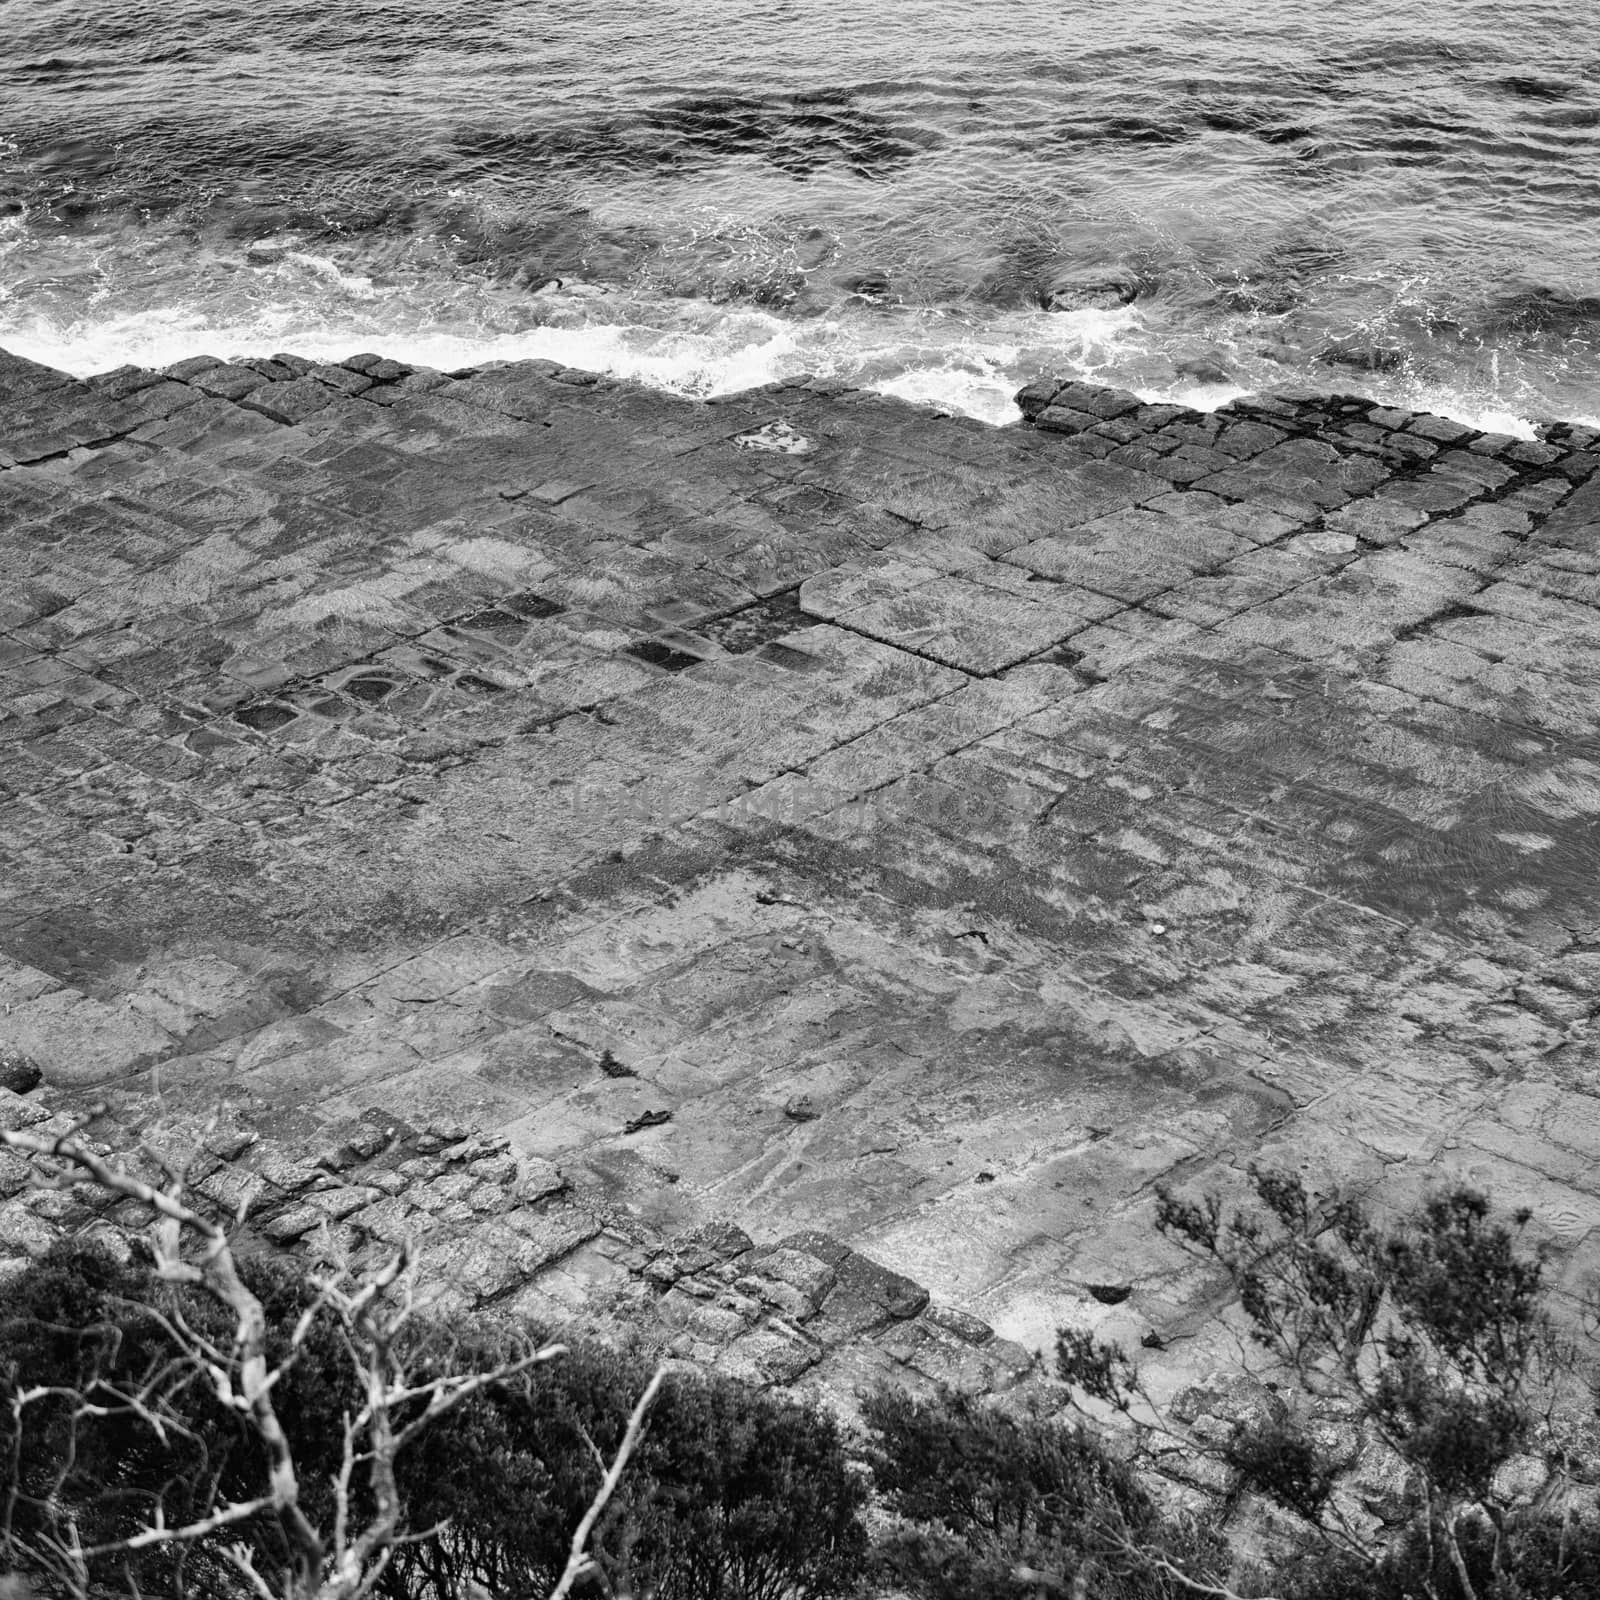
(970, 362)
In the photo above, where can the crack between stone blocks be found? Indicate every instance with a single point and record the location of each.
(904, 649)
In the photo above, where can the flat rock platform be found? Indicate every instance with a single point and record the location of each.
(869, 848)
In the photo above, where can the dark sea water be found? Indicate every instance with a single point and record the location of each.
(1393, 197)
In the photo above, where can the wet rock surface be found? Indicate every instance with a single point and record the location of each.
(508, 809)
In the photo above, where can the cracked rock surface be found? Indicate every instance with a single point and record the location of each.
(509, 796)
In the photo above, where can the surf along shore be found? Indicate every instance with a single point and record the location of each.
(793, 873)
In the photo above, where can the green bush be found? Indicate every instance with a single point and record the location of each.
(731, 1495)
(988, 1501)
(129, 1421)
(1434, 1337)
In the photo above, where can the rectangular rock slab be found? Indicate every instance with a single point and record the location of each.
(290, 402)
(80, 1042)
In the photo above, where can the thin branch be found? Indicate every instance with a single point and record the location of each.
(451, 1392)
(186, 1533)
(1150, 1558)
(218, 1275)
(579, 1560)
(238, 1557)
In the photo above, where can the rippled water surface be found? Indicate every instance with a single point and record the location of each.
(1398, 198)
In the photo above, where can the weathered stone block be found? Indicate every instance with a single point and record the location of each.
(1063, 419)
(290, 402)
(228, 382)
(77, 1040)
(782, 1297)
(344, 379)
(551, 1233)
(294, 1223)
(15, 1173)
(191, 367)
(22, 1233)
(800, 1269)
(963, 1325)
(768, 1356)
(866, 1296)
(1036, 396)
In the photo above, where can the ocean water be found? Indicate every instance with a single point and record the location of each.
(937, 198)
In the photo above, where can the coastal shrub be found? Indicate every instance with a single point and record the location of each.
(987, 1502)
(1551, 1558)
(731, 1494)
(1430, 1341)
(106, 1416)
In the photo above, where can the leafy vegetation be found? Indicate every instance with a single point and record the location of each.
(1431, 1342)
(986, 1501)
(1426, 1347)
(730, 1493)
(107, 1418)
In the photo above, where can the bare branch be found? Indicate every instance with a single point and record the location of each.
(1151, 1558)
(238, 1557)
(242, 1384)
(159, 1533)
(579, 1560)
(367, 1315)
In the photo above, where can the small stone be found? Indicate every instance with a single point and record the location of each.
(718, 1239)
(652, 1118)
(1235, 1397)
(16, 1174)
(1109, 1294)
(229, 1145)
(474, 1149)
(266, 252)
(540, 1179)
(495, 1169)
(366, 1139)
(1385, 1483)
(800, 1108)
(1362, 355)
(1090, 289)
(293, 1223)
(19, 1074)
(962, 1324)
(1201, 1470)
